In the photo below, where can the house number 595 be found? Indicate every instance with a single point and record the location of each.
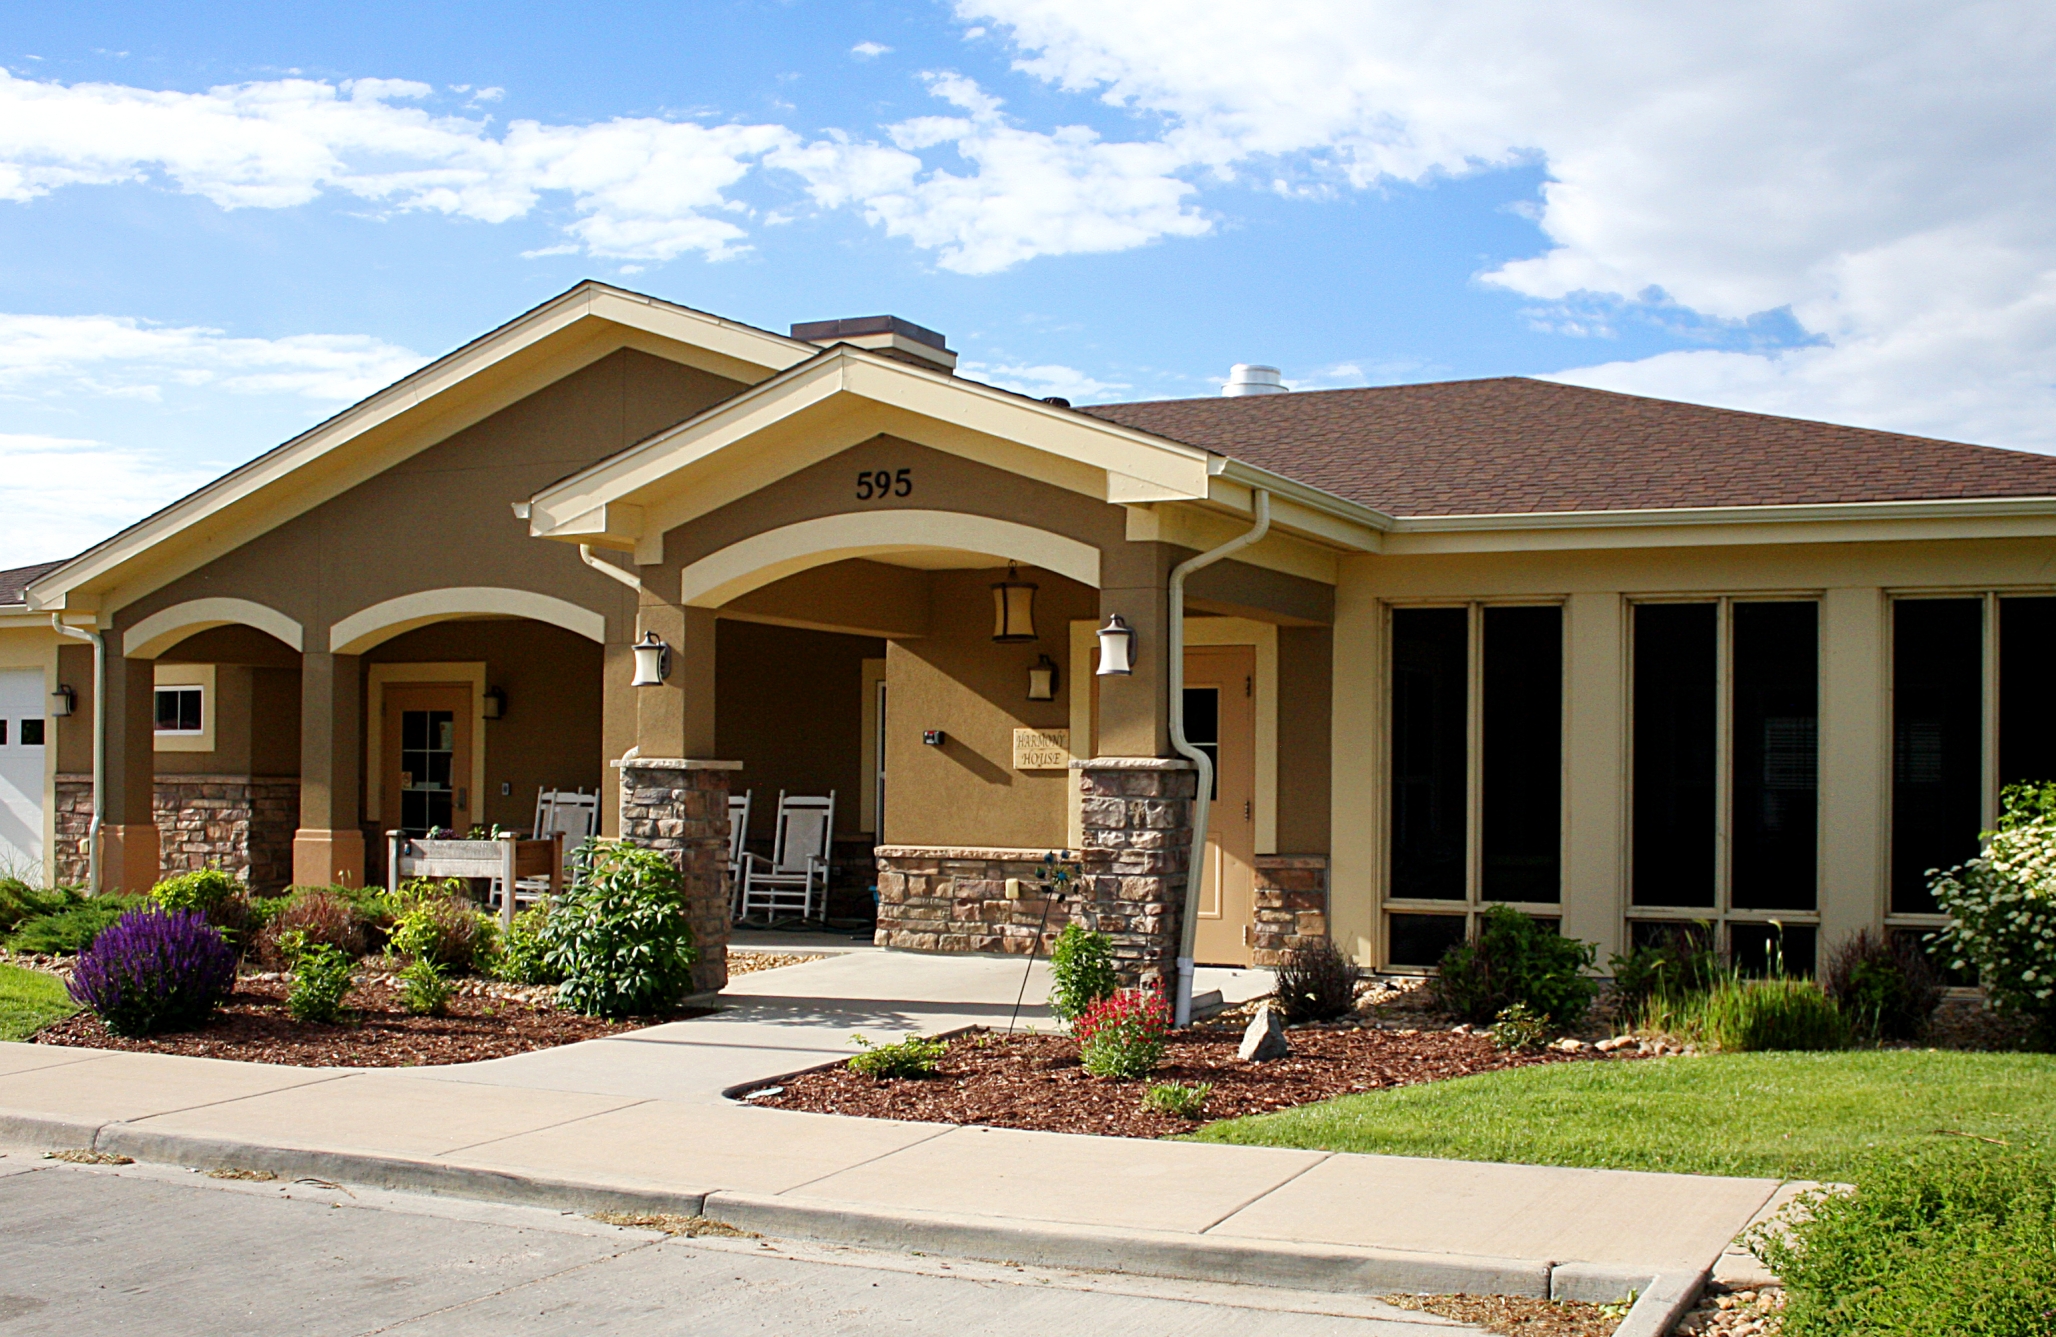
(878, 484)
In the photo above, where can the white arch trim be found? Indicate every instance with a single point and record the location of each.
(775, 554)
(362, 630)
(167, 627)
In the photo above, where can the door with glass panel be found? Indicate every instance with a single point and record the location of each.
(1220, 719)
(427, 746)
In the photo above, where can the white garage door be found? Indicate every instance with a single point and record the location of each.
(22, 729)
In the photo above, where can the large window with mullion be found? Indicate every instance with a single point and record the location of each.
(1475, 769)
(1971, 714)
(1725, 788)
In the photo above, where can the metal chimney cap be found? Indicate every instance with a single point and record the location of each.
(1251, 378)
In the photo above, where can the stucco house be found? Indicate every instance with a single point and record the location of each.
(1618, 662)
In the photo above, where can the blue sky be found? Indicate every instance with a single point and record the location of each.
(217, 227)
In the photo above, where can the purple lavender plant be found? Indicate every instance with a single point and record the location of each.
(154, 971)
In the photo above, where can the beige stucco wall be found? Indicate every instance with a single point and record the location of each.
(789, 706)
(1853, 582)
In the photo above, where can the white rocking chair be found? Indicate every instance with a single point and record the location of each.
(797, 870)
(738, 833)
(571, 814)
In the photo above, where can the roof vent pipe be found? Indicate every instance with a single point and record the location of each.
(1248, 378)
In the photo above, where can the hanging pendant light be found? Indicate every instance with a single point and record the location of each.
(652, 661)
(1042, 679)
(1116, 648)
(1013, 609)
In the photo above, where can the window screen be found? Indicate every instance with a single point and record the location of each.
(1937, 753)
(1776, 756)
(1430, 659)
(1522, 754)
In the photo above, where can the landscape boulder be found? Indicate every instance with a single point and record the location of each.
(1264, 1040)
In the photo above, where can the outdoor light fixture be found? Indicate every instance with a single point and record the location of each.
(494, 704)
(652, 661)
(1116, 648)
(1013, 608)
(1042, 679)
(63, 701)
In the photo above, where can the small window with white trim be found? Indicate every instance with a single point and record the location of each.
(180, 710)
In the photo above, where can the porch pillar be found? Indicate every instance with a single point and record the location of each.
(674, 793)
(1136, 794)
(128, 834)
(328, 847)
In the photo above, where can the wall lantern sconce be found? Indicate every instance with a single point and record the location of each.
(652, 661)
(494, 704)
(1042, 679)
(1013, 609)
(63, 701)
(934, 737)
(1116, 648)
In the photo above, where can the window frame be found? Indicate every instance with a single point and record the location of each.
(169, 677)
(1722, 912)
(1472, 905)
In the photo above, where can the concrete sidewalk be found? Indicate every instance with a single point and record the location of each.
(637, 1122)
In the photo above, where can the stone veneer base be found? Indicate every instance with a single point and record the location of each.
(1291, 906)
(240, 824)
(680, 806)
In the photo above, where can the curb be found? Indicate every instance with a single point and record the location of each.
(1662, 1298)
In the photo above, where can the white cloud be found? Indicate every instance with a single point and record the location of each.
(1033, 193)
(644, 189)
(54, 357)
(870, 50)
(1887, 175)
(65, 494)
(1041, 381)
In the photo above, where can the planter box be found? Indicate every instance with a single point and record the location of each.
(507, 860)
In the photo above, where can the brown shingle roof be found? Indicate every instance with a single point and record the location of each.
(13, 583)
(1518, 445)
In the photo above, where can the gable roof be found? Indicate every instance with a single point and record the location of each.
(578, 325)
(1512, 445)
(14, 584)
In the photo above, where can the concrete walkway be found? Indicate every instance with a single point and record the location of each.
(638, 1121)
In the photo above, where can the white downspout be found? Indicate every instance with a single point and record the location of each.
(1188, 928)
(99, 744)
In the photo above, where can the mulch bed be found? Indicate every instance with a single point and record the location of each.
(1034, 1081)
(252, 1026)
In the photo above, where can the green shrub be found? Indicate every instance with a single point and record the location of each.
(1081, 968)
(911, 1057)
(1886, 987)
(620, 936)
(20, 901)
(72, 930)
(522, 959)
(423, 989)
(1519, 1027)
(2002, 910)
(205, 890)
(443, 927)
(1517, 960)
(1178, 1100)
(1681, 962)
(1743, 1016)
(1316, 983)
(322, 978)
(1957, 1239)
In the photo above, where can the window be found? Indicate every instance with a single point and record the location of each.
(1475, 769)
(31, 732)
(1971, 713)
(178, 710)
(1725, 785)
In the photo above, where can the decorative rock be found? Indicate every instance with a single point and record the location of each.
(1264, 1040)
(1570, 1045)
(1617, 1042)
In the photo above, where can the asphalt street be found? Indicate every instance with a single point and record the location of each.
(168, 1252)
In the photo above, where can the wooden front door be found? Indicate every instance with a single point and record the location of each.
(1220, 717)
(427, 747)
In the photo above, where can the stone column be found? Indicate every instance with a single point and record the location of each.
(329, 844)
(680, 805)
(128, 833)
(1138, 843)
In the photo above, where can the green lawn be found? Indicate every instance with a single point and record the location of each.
(1806, 1116)
(30, 1000)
